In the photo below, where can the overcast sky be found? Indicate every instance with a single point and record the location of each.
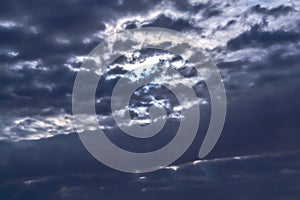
(256, 46)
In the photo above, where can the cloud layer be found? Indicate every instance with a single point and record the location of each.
(256, 46)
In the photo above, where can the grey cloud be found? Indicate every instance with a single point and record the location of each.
(280, 10)
(262, 39)
(256, 48)
(73, 180)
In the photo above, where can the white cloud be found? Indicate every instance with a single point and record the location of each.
(9, 53)
(9, 24)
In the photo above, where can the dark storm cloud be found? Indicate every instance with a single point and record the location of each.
(73, 180)
(42, 42)
(211, 13)
(262, 119)
(51, 34)
(45, 35)
(166, 22)
(53, 23)
(42, 45)
(261, 39)
(29, 88)
(280, 63)
(280, 10)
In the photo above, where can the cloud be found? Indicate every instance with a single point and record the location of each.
(9, 24)
(261, 39)
(254, 43)
(280, 10)
(92, 180)
(43, 50)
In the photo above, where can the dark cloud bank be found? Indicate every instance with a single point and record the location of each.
(257, 156)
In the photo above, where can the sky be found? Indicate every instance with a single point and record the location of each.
(256, 47)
